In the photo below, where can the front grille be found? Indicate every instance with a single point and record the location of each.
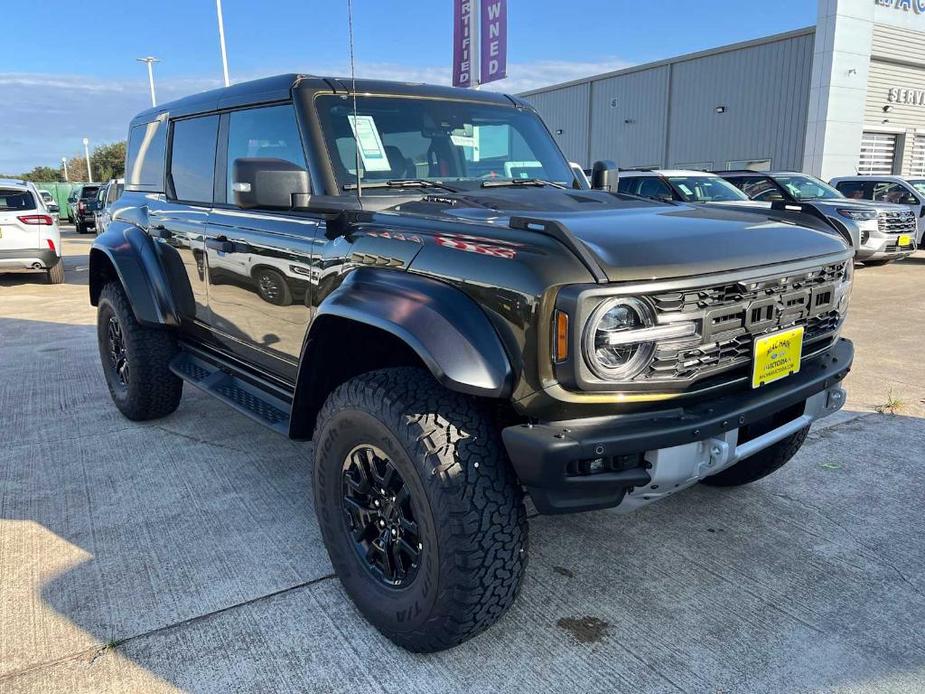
(732, 315)
(897, 222)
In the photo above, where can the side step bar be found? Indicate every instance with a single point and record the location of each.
(246, 398)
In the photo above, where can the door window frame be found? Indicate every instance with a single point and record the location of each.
(220, 189)
(170, 192)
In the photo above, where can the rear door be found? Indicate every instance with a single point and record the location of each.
(259, 261)
(179, 218)
(17, 207)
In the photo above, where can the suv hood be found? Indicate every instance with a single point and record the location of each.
(867, 204)
(636, 239)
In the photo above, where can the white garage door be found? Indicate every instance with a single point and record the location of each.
(918, 156)
(877, 150)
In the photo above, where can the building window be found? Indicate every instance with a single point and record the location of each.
(749, 165)
(878, 152)
(918, 156)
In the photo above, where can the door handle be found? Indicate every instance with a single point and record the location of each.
(220, 243)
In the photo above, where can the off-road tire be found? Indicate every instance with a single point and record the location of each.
(759, 465)
(152, 390)
(55, 274)
(467, 501)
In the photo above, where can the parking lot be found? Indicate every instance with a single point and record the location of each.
(184, 553)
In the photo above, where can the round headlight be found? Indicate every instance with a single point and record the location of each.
(608, 354)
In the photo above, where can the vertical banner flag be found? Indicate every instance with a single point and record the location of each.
(463, 32)
(493, 40)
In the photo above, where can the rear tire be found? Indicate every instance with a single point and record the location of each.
(762, 464)
(462, 497)
(136, 359)
(55, 273)
(79, 228)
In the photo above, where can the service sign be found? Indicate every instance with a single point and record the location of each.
(905, 95)
(916, 6)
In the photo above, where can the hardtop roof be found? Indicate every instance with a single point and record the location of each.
(279, 88)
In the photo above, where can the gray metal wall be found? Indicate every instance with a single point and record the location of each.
(663, 114)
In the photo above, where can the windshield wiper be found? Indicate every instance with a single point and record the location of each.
(403, 183)
(521, 182)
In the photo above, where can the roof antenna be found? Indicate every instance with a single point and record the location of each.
(353, 88)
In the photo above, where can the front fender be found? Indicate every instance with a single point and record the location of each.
(128, 253)
(446, 329)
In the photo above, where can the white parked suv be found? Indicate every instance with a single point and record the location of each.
(29, 236)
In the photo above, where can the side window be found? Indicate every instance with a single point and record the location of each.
(144, 161)
(893, 192)
(856, 190)
(760, 188)
(263, 132)
(655, 188)
(192, 158)
(625, 185)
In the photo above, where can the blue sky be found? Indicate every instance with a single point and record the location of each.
(56, 88)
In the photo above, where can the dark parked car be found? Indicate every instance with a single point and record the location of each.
(84, 206)
(455, 325)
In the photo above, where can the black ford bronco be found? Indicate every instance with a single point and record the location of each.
(414, 278)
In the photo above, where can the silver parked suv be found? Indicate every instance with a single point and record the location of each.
(886, 231)
(908, 192)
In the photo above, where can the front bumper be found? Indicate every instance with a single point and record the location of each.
(655, 454)
(880, 246)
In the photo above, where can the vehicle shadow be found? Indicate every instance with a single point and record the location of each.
(189, 546)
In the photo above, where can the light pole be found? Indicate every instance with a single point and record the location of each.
(150, 60)
(64, 166)
(87, 155)
(221, 39)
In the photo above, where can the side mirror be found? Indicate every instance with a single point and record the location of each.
(269, 182)
(604, 175)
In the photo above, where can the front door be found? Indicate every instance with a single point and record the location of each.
(258, 261)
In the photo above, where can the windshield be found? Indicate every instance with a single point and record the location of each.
(706, 189)
(455, 142)
(807, 188)
(919, 185)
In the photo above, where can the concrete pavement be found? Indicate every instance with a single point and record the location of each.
(183, 554)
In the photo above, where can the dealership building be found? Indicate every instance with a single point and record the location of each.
(843, 97)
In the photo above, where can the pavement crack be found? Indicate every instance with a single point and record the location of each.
(870, 552)
(94, 653)
(196, 439)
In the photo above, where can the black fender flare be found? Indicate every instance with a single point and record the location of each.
(129, 252)
(444, 327)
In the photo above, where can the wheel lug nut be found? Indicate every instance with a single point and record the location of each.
(381, 523)
(376, 502)
(394, 532)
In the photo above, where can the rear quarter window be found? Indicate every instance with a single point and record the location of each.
(144, 160)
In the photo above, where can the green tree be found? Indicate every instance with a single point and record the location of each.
(43, 173)
(108, 161)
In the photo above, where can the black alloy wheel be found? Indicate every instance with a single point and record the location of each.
(117, 353)
(379, 518)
